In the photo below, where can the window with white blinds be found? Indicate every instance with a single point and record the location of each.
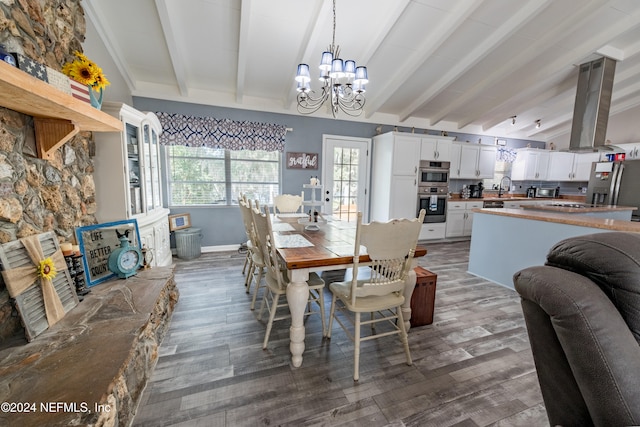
(200, 176)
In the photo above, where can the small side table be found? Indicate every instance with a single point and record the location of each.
(423, 298)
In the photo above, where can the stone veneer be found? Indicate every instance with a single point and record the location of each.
(96, 360)
(38, 195)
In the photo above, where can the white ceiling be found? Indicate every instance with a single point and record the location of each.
(456, 65)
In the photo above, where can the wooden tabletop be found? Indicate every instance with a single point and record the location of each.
(333, 244)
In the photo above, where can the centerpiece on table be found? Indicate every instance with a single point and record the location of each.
(86, 72)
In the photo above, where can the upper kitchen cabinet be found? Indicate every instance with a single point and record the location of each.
(394, 184)
(405, 155)
(472, 161)
(127, 178)
(435, 148)
(565, 166)
(530, 164)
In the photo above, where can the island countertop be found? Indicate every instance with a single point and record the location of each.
(577, 207)
(561, 217)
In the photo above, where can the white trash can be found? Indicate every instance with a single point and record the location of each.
(188, 243)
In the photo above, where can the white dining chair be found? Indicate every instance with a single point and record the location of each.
(390, 246)
(256, 261)
(277, 280)
(287, 203)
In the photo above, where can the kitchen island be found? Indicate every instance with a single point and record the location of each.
(596, 211)
(505, 241)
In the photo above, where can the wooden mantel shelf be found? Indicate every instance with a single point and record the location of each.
(57, 115)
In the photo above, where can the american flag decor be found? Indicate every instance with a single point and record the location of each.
(79, 91)
(31, 67)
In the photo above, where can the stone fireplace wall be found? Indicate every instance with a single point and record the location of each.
(37, 195)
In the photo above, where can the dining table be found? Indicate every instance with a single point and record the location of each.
(306, 246)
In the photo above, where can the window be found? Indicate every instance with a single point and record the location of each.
(200, 176)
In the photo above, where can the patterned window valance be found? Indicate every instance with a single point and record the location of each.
(506, 155)
(178, 129)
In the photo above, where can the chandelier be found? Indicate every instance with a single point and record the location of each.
(343, 83)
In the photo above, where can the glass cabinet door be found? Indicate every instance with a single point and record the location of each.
(148, 178)
(134, 169)
(155, 170)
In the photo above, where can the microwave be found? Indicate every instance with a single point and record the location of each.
(547, 192)
(433, 174)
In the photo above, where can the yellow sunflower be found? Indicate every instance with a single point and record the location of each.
(85, 71)
(47, 269)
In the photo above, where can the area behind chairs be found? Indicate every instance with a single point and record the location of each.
(391, 246)
(582, 310)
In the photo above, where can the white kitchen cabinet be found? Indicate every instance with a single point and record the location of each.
(435, 148)
(530, 164)
(564, 166)
(582, 165)
(460, 218)
(560, 166)
(472, 160)
(394, 183)
(127, 178)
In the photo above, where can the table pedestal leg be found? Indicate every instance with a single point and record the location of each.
(297, 296)
(409, 285)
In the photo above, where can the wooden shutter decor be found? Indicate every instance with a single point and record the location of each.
(30, 303)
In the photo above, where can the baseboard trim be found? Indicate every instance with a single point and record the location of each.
(221, 248)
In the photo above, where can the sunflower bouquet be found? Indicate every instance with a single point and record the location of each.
(86, 72)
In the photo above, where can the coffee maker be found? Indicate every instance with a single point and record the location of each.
(531, 192)
(476, 190)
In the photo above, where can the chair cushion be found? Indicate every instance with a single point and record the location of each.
(612, 261)
(368, 303)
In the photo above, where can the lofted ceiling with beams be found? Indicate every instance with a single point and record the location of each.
(457, 65)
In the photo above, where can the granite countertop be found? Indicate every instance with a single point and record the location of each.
(563, 218)
(567, 207)
(516, 197)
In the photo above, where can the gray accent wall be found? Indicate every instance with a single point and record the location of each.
(222, 225)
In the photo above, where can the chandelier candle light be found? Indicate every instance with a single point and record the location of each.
(343, 83)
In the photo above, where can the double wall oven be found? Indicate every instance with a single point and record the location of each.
(433, 188)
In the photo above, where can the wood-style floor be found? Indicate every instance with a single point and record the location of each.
(472, 366)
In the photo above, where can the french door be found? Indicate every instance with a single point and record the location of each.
(345, 175)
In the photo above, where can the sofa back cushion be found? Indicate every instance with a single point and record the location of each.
(612, 261)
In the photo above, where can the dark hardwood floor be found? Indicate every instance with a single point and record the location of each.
(472, 366)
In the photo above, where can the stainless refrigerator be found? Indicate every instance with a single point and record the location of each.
(615, 183)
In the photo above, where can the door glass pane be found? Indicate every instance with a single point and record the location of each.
(345, 183)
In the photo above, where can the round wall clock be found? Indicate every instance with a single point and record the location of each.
(125, 260)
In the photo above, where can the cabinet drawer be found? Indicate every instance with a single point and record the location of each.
(456, 206)
(432, 231)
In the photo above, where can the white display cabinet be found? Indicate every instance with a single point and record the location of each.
(127, 178)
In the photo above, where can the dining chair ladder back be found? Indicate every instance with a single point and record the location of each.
(277, 280)
(287, 203)
(379, 289)
(256, 263)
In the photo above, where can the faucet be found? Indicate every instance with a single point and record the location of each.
(500, 186)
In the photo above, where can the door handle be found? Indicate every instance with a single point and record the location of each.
(326, 200)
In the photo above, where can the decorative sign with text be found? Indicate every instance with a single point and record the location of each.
(98, 241)
(302, 160)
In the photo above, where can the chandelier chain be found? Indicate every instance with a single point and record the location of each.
(342, 83)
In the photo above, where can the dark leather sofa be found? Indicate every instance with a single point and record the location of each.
(582, 311)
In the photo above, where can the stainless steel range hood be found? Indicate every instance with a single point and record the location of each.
(591, 110)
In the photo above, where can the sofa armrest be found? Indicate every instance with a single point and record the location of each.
(597, 346)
